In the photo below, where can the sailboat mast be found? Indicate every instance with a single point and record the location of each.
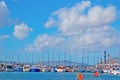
(65, 57)
(59, 58)
(94, 59)
(18, 58)
(48, 60)
(83, 58)
(88, 58)
(26, 58)
(32, 59)
(70, 56)
(53, 57)
(42, 60)
(97, 58)
(36, 58)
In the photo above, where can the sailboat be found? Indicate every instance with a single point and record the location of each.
(18, 67)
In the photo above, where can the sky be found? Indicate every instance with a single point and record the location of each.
(74, 27)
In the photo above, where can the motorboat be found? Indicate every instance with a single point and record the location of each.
(34, 68)
(26, 68)
(9, 68)
(19, 68)
(60, 69)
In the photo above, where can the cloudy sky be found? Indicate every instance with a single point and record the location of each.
(35, 26)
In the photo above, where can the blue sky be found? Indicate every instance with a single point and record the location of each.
(36, 26)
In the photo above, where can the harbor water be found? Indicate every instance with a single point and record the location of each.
(52, 76)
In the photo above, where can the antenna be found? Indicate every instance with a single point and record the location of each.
(104, 57)
(101, 61)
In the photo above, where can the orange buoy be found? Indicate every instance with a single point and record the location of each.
(80, 76)
(96, 74)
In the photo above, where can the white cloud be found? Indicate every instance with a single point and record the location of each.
(77, 19)
(4, 36)
(49, 23)
(95, 39)
(44, 41)
(98, 16)
(21, 31)
(4, 14)
(86, 25)
(82, 26)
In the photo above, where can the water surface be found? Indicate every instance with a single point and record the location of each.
(52, 76)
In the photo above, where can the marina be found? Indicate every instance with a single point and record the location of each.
(60, 40)
(107, 66)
